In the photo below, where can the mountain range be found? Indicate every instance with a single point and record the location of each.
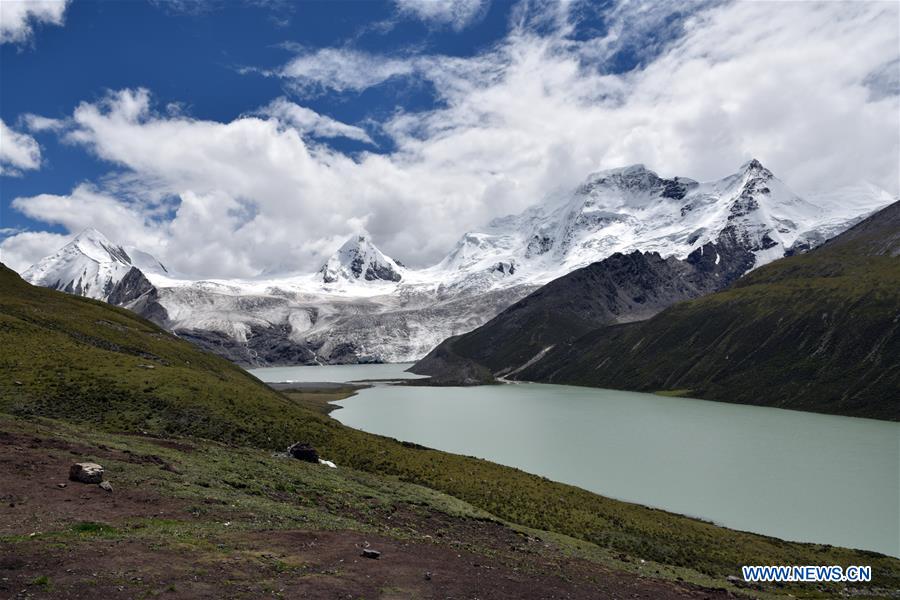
(364, 306)
(818, 331)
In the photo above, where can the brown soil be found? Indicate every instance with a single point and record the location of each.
(265, 564)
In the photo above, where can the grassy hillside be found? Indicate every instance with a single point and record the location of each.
(85, 362)
(817, 332)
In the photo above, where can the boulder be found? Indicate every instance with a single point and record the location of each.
(369, 553)
(86, 472)
(303, 451)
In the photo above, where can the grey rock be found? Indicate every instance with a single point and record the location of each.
(369, 553)
(129, 288)
(86, 472)
(107, 486)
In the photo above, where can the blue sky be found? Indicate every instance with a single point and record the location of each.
(231, 138)
(193, 54)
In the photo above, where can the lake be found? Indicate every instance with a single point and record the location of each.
(793, 475)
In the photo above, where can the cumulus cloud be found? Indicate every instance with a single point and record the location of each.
(18, 17)
(307, 121)
(789, 83)
(18, 152)
(456, 14)
(22, 250)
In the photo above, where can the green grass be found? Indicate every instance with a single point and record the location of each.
(83, 361)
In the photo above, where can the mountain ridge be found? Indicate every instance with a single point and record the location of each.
(363, 305)
(818, 332)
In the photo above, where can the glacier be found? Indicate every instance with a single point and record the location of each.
(364, 306)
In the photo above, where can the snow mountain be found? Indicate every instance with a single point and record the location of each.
(364, 306)
(92, 266)
(633, 208)
(359, 259)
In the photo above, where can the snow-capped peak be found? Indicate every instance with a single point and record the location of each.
(90, 265)
(359, 259)
(633, 208)
(97, 246)
(754, 166)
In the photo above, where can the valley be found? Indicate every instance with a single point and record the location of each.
(114, 384)
(449, 300)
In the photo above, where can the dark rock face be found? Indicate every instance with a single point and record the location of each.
(539, 244)
(382, 273)
(638, 177)
(147, 305)
(130, 288)
(303, 451)
(264, 346)
(675, 188)
(506, 268)
(446, 367)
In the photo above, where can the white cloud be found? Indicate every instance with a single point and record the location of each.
(307, 121)
(18, 17)
(22, 250)
(18, 152)
(37, 123)
(342, 70)
(88, 207)
(788, 83)
(456, 14)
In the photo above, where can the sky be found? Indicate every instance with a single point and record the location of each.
(233, 138)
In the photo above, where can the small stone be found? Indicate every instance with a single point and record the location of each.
(369, 553)
(107, 486)
(86, 472)
(61, 485)
(19, 382)
(427, 575)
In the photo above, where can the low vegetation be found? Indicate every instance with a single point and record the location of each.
(92, 365)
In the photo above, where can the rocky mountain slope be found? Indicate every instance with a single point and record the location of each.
(365, 306)
(619, 289)
(818, 332)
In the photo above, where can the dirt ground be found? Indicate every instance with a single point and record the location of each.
(273, 563)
